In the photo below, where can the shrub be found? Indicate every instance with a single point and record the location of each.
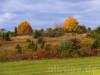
(1, 41)
(47, 46)
(86, 45)
(70, 48)
(96, 44)
(12, 34)
(32, 45)
(82, 29)
(43, 44)
(89, 29)
(40, 40)
(18, 48)
(52, 34)
(1, 34)
(65, 48)
(76, 44)
(37, 34)
(15, 30)
(97, 30)
(56, 32)
(6, 36)
(93, 34)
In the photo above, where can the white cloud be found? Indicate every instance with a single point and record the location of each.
(47, 12)
(5, 17)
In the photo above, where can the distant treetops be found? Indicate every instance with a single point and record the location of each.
(24, 28)
(71, 24)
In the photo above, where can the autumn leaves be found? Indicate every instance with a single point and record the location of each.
(71, 24)
(24, 28)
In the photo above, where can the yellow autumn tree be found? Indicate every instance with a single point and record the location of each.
(24, 28)
(71, 24)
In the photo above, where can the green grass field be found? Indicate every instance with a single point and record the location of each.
(74, 66)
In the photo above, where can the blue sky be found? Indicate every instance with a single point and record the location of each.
(48, 13)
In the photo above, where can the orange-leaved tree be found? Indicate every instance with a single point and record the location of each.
(71, 24)
(24, 28)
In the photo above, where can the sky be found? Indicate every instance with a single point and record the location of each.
(48, 13)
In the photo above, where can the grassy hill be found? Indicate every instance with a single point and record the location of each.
(10, 45)
(9, 52)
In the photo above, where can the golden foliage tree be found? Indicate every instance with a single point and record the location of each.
(24, 28)
(71, 24)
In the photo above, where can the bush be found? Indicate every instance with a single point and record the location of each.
(96, 44)
(32, 45)
(1, 34)
(97, 30)
(56, 32)
(6, 36)
(12, 34)
(86, 45)
(66, 47)
(96, 35)
(37, 34)
(82, 29)
(69, 48)
(43, 44)
(18, 48)
(93, 34)
(40, 40)
(47, 46)
(76, 44)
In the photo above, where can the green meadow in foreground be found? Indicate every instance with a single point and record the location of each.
(74, 66)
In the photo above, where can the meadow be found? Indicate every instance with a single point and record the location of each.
(73, 66)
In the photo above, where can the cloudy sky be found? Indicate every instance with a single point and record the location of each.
(48, 13)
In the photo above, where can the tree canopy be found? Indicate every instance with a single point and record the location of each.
(24, 28)
(71, 24)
